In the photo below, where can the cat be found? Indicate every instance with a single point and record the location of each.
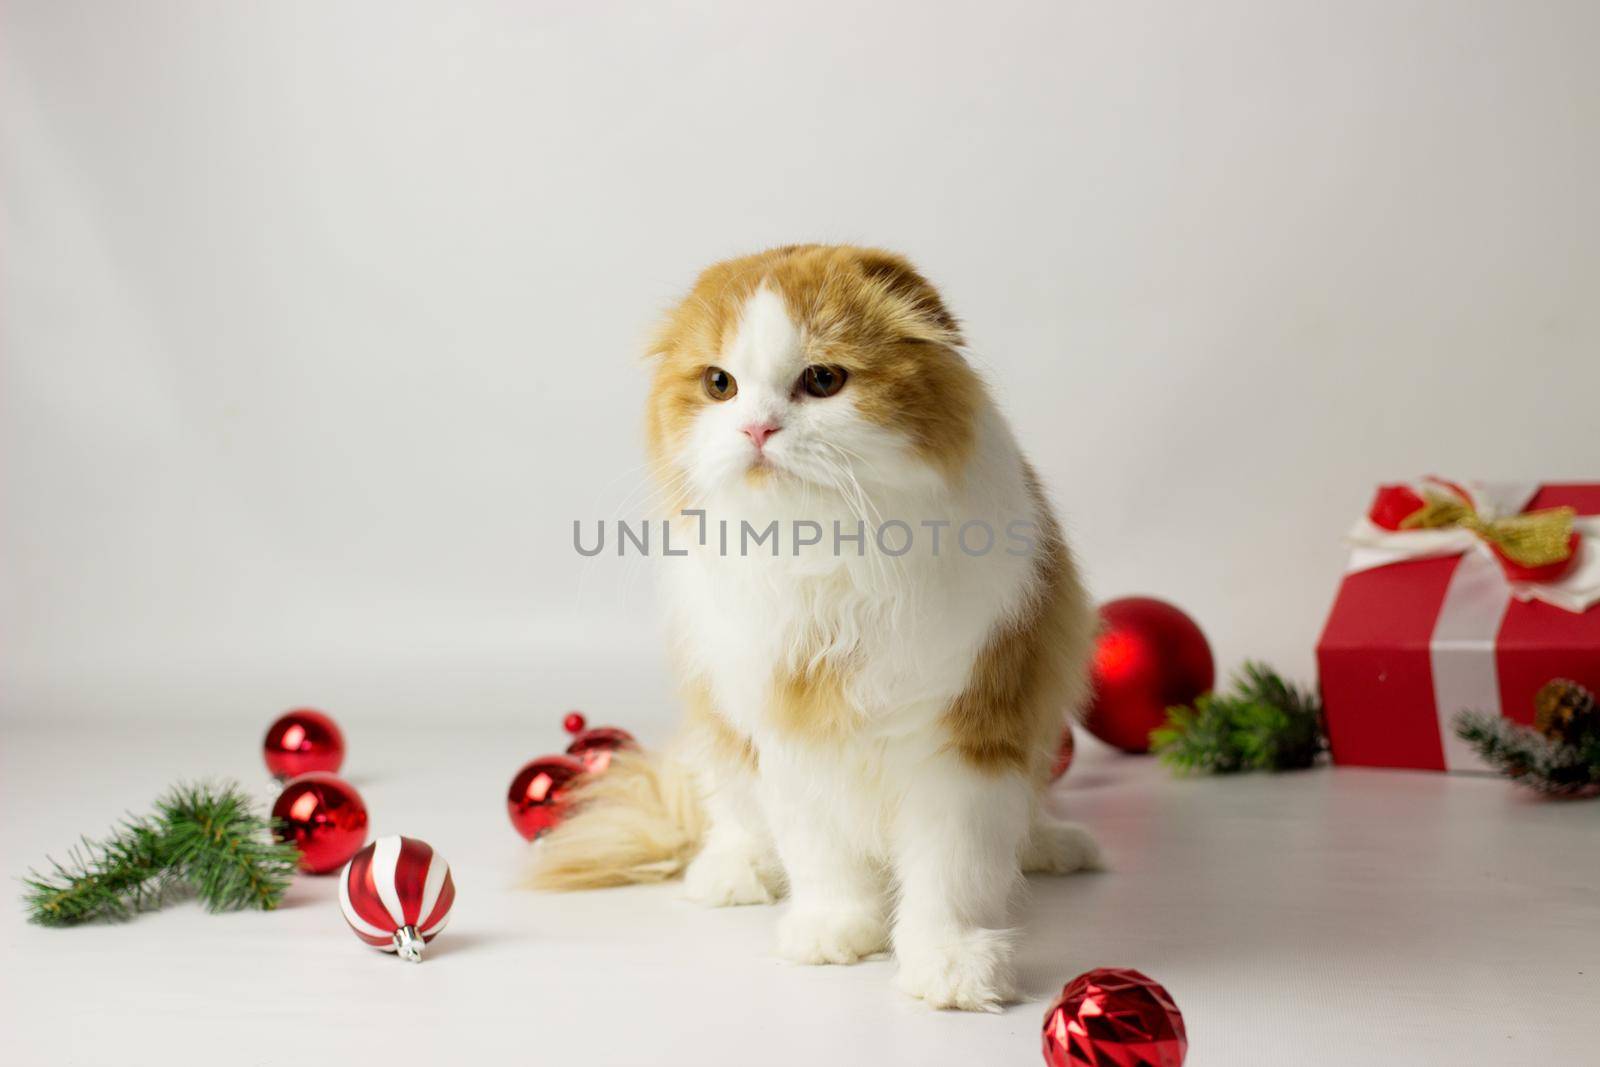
(874, 702)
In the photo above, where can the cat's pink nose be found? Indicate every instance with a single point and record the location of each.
(758, 432)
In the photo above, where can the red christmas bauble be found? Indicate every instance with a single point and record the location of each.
(1063, 753)
(1148, 657)
(300, 741)
(324, 817)
(538, 796)
(396, 894)
(574, 722)
(593, 748)
(1114, 1017)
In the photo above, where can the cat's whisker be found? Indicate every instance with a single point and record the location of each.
(854, 481)
(853, 502)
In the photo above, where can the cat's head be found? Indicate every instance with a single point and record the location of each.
(811, 367)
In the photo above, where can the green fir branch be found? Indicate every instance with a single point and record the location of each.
(205, 838)
(1263, 724)
(223, 849)
(111, 879)
(1530, 759)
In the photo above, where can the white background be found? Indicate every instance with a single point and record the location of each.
(322, 322)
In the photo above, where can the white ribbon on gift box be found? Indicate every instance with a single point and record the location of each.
(1461, 650)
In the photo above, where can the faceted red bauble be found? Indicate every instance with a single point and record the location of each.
(324, 817)
(1114, 1017)
(1063, 754)
(538, 796)
(593, 748)
(303, 740)
(396, 894)
(1148, 657)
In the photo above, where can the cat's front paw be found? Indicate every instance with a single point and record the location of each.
(719, 878)
(970, 973)
(1061, 848)
(831, 935)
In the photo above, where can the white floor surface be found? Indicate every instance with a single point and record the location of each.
(1331, 917)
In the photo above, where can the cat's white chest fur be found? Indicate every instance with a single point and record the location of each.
(905, 629)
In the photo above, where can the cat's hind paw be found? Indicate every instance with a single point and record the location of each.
(1061, 848)
(720, 878)
(831, 935)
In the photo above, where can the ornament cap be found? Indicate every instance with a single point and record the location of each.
(408, 944)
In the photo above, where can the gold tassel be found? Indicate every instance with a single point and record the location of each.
(1438, 511)
(1532, 539)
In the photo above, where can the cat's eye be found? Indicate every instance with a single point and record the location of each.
(719, 384)
(821, 380)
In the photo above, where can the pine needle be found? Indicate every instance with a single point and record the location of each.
(223, 850)
(1264, 724)
(1530, 759)
(111, 880)
(205, 838)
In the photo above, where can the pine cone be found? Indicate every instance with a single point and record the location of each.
(1565, 711)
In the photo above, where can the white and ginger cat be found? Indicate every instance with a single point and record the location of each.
(871, 720)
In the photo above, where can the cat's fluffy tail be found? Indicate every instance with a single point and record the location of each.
(640, 821)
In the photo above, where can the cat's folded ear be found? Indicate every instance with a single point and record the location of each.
(895, 275)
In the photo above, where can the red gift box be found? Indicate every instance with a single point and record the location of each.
(1409, 644)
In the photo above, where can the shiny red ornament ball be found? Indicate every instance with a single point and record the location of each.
(537, 799)
(300, 741)
(1148, 657)
(324, 817)
(593, 748)
(1063, 754)
(574, 722)
(396, 894)
(1114, 1017)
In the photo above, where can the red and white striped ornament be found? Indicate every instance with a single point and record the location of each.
(396, 895)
